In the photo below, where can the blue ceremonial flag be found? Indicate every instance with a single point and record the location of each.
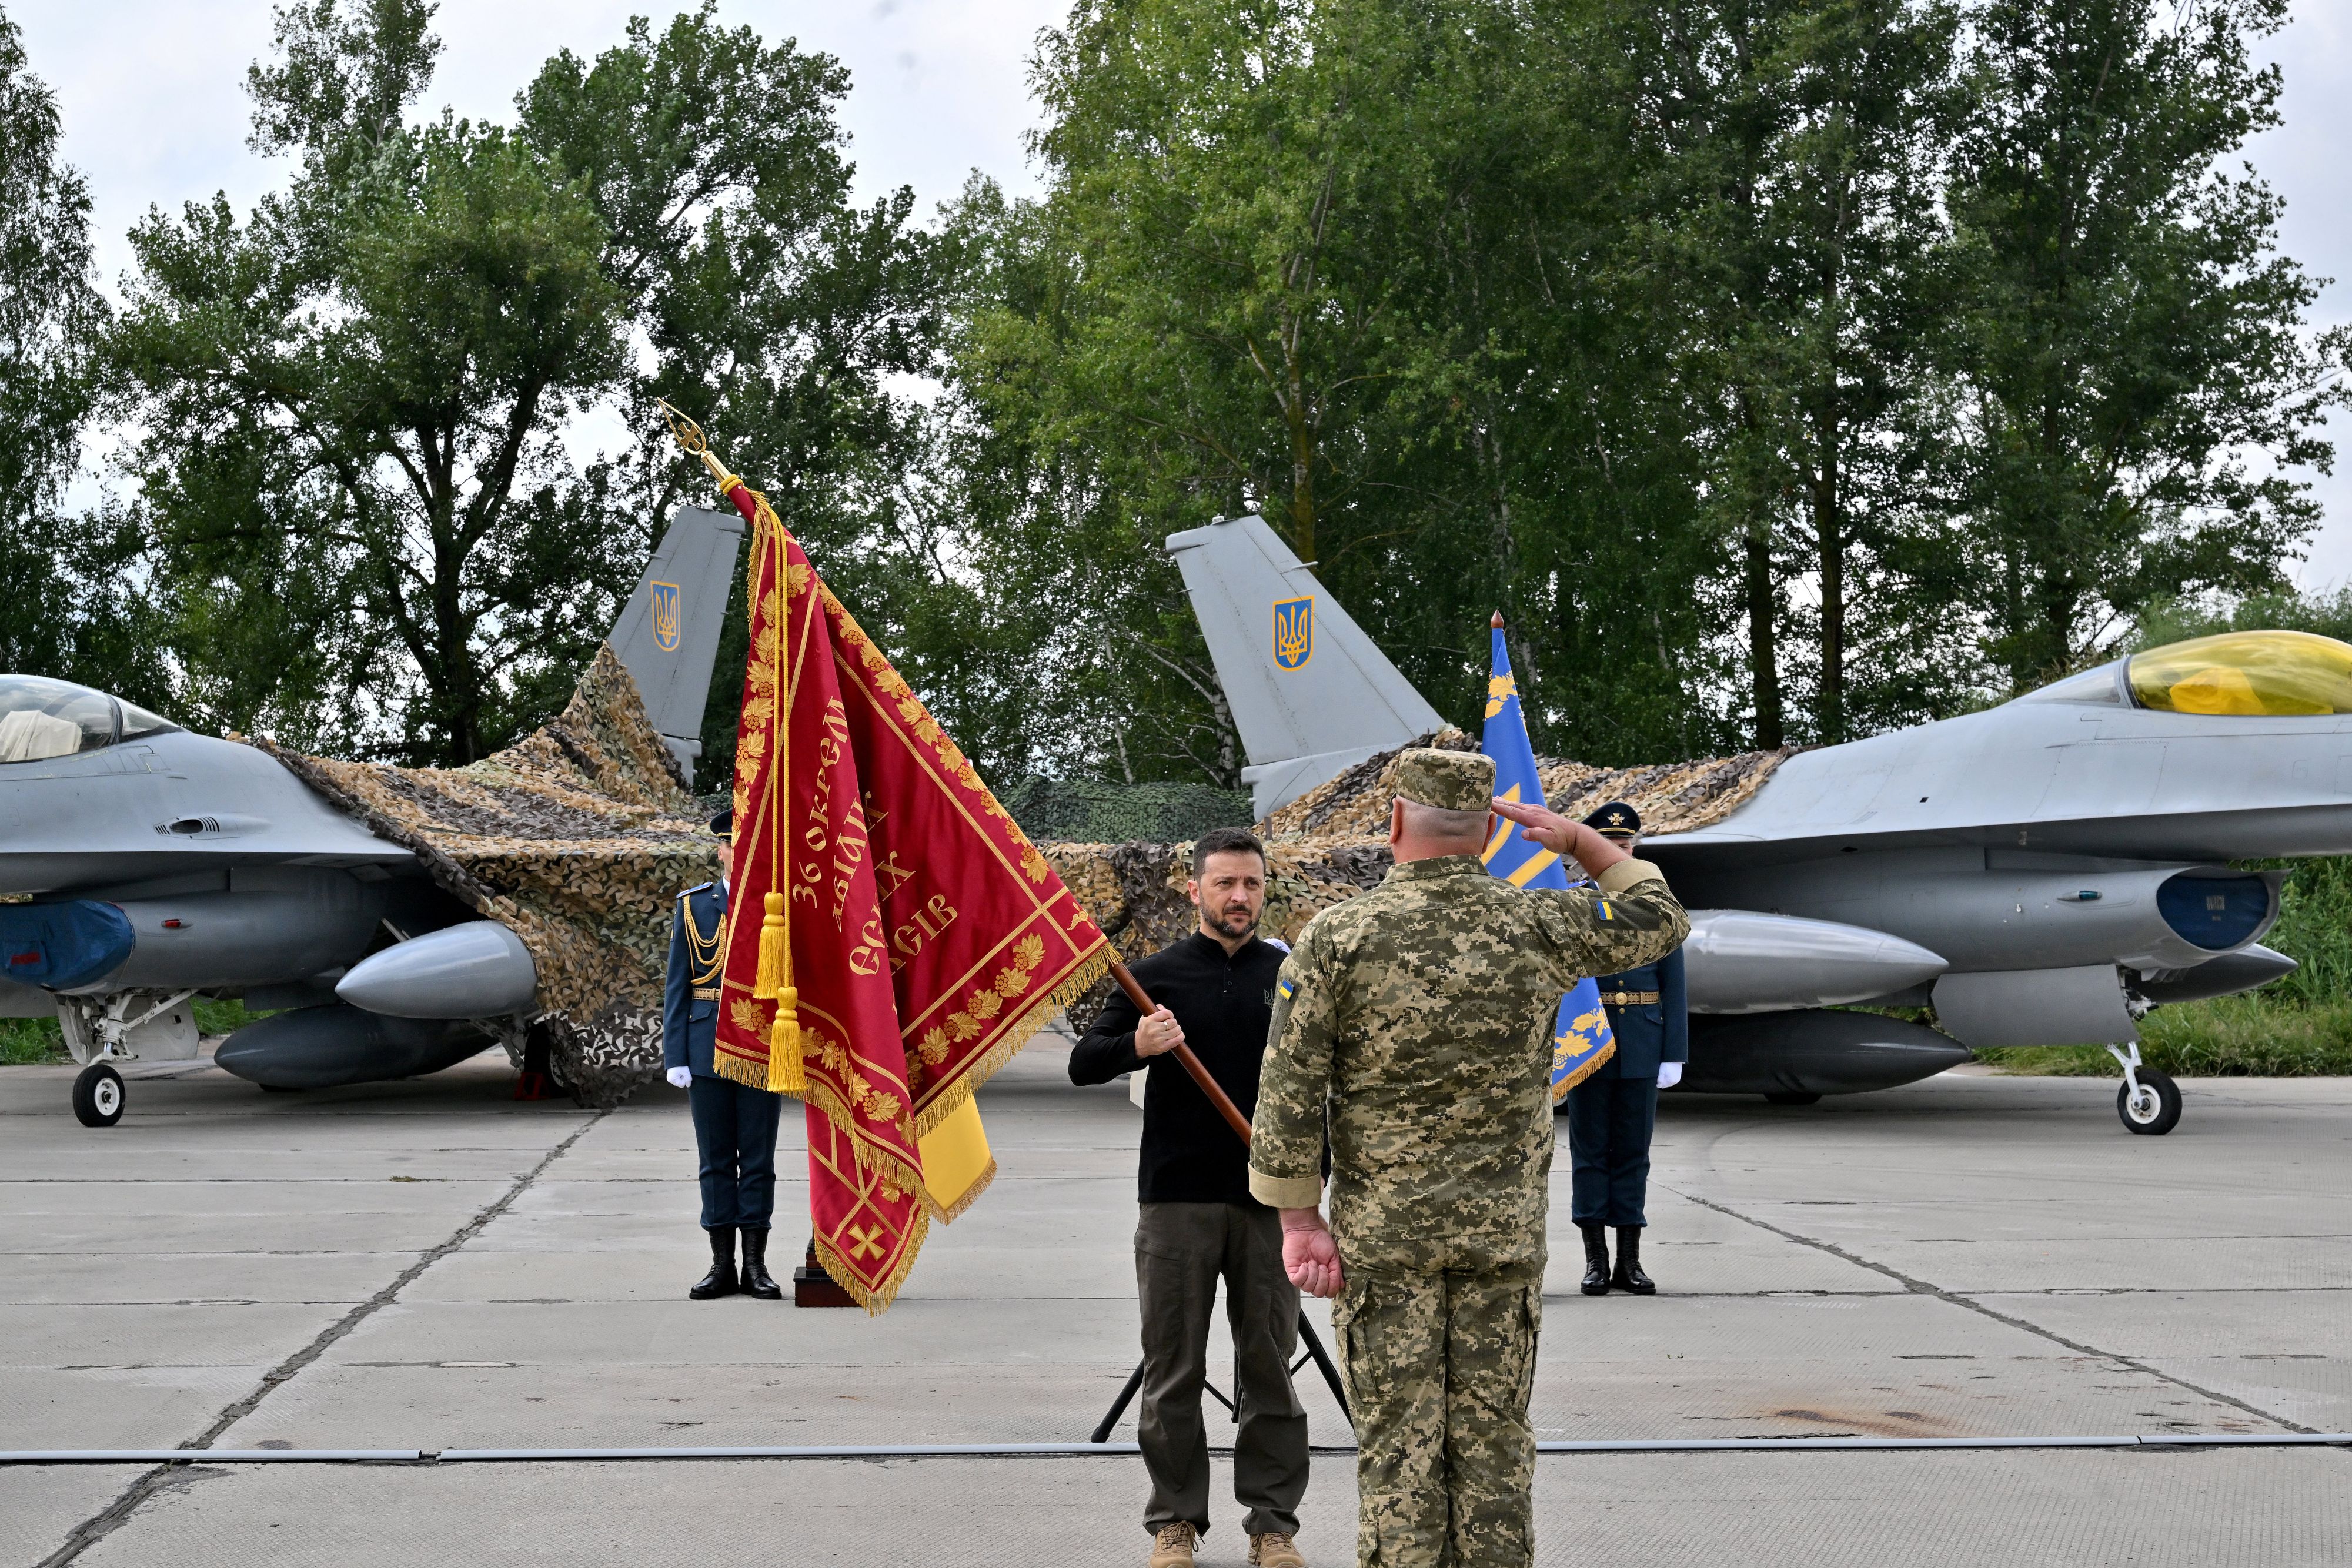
(1581, 1041)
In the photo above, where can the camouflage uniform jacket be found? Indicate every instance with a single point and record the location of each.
(1421, 1012)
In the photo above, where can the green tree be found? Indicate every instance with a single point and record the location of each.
(778, 315)
(66, 608)
(351, 405)
(1359, 267)
(2134, 383)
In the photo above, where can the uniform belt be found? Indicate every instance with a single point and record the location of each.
(706, 993)
(1629, 999)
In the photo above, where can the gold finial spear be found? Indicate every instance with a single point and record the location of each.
(690, 436)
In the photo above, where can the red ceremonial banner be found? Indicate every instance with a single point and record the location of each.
(926, 937)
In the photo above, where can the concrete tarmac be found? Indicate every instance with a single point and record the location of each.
(430, 1265)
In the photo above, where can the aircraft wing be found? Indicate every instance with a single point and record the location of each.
(1311, 693)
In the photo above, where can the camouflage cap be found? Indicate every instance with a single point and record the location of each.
(1450, 780)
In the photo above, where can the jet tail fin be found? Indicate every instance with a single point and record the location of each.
(1311, 694)
(667, 634)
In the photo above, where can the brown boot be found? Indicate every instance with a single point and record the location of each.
(1276, 1549)
(1172, 1547)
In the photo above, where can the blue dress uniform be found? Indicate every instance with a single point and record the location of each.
(734, 1126)
(1613, 1112)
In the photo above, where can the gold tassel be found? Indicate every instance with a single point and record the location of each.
(769, 978)
(785, 1073)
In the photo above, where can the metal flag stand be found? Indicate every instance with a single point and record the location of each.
(1314, 1353)
(1240, 1123)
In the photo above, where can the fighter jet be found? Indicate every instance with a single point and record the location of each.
(164, 865)
(2041, 872)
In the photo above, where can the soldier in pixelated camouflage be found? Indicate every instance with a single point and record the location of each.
(1419, 1014)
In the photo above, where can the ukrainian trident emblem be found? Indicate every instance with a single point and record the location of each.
(665, 613)
(1293, 632)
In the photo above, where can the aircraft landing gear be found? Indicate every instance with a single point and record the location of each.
(2150, 1101)
(97, 1096)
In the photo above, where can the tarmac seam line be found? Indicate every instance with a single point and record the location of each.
(104, 1522)
(1922, 1287)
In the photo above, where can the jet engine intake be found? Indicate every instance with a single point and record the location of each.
(2017, 918)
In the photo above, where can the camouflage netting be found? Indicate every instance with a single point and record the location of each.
(1091, 811)
(579, 840)
(1331, 843)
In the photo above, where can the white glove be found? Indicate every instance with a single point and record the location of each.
(1669, 1074)
(679, 1077)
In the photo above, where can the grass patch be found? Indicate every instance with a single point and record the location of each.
(2229, 1037)
(38, 1043)
(31, 1042)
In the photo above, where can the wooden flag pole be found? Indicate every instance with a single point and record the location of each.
(1184, 1057)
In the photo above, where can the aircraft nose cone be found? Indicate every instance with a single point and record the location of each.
(478, 969)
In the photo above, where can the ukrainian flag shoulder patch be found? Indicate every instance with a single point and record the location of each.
(1284, 987)
(1607, 912)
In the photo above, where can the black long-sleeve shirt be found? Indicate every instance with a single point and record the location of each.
(1224, 1005)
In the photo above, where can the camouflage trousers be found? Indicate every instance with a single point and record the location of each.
(1438, 1367)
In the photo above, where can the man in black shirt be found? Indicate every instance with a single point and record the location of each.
(1197, 1220)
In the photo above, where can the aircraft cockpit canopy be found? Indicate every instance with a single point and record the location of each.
(41, 718)
(2276, 673)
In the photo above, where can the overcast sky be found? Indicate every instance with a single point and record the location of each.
(153, 93)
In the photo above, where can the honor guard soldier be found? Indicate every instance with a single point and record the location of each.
(1413, 1023)
(1612, 1113)
(734, 1126)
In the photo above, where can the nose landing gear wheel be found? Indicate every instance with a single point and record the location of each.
(2155, 1110)
(97, 1096)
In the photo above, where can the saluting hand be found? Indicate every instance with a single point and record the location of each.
(1541, 825)
(1158, 1034)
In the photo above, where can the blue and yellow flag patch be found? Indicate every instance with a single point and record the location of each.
(1580, 1039)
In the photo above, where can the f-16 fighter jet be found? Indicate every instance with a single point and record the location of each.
(163, 864)
(2041, 872)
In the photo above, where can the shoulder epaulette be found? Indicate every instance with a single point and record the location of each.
(698, 887)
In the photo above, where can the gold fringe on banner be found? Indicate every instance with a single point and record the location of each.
(845, 1274)
(1018, 1033)
(1560, 1090)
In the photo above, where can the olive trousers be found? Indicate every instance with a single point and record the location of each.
(1181, 1250)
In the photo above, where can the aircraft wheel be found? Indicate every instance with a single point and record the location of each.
(1792, 1097)
(97, 1096)
(2155, 1110)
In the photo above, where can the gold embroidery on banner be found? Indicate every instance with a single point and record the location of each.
(749, 1016)
(934, 1047)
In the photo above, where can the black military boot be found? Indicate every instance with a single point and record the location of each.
(721, 1280)
(1596, 1260)
(1629, 1275)
(757, 1280)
